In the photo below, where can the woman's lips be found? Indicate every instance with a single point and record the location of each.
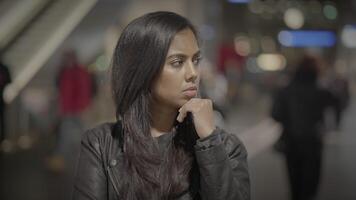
(190, 92)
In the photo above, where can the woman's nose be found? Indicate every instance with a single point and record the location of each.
(191, 73)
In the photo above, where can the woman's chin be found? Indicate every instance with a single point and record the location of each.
(180, 101)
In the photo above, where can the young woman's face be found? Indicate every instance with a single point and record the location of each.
(178, 81)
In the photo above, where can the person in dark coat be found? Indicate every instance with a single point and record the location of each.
(164, 144)
(299, 108)
(340, 88)
(5, 79)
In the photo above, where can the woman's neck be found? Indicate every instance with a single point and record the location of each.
(163, 119)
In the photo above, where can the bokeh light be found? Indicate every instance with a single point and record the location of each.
(348, 36)
(330, 12)
(294, 18)
(242, 45)
(238, 1)
(271, 62)
(307, 38)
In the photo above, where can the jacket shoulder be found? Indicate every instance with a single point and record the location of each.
(233, 143)
(98, 136)
(99, 132)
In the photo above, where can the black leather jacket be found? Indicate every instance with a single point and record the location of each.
(221, 158)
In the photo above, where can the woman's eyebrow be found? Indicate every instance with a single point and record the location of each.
(197, 54)
(181, 55)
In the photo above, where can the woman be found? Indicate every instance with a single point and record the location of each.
(164, 144)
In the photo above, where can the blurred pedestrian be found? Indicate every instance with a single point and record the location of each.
(230, 64)
(299, 108)
(164, 144)
(74, 84)
(5, 79)
(340, 88)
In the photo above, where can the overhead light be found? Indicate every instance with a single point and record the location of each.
(271, 62)
(330, 12)
(348, 36)
(242, 45)
(294, 18)
(238, 1)
(307, 38)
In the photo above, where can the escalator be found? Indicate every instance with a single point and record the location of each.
(30, 33)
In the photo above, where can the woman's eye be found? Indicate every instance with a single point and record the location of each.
(177, 63)
(197, 61)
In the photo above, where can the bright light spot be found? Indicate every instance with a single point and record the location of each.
(330, 12)
(294, 18)
(101, 63)
(348, 36)
(238, 1)
(285, 38)
(242, 45)
(271, 62)
(307, 38)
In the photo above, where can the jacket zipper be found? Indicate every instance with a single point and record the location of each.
(111, 177)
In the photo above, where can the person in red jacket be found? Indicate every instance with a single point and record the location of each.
(74, 84)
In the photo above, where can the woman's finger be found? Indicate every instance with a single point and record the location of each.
(182, 114)
(183, 111)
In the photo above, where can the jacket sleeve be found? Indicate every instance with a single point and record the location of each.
(91, 180)
(222, 161)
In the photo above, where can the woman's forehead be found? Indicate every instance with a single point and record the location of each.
(184, 42)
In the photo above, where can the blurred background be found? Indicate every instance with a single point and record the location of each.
(55, 56)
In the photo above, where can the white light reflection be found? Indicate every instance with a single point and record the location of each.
(294, 18)
(239, 1)
(242, 45)
(330, 11)
(285, 38)
(348, 36)
(271, 62)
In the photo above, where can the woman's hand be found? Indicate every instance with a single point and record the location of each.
(203, 116)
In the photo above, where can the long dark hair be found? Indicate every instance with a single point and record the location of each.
(137, 61)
